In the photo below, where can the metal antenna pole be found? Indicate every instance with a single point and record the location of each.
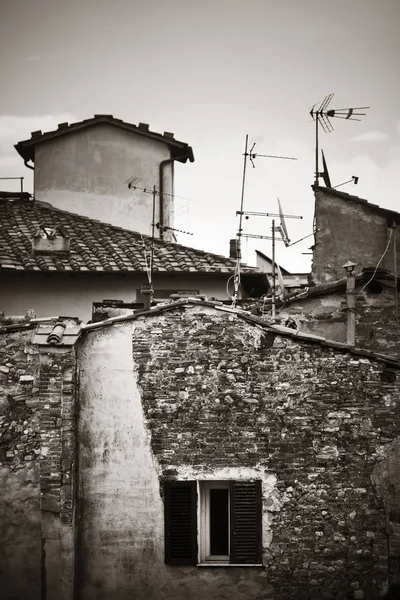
(316, 181)
(243, 187)
(152, 235)
(273, 271)
(396, 295)
(236, 280)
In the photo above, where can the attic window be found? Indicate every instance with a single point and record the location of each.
(48, 240)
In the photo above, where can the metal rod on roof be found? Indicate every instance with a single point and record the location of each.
(152, 235)
(273, 271)
(396, 294)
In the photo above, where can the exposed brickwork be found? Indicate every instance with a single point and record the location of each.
(326, 315)
(20, 548)
(215, 394)
(57, 464)
(37, 451)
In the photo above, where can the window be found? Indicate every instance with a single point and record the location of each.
(212, 522)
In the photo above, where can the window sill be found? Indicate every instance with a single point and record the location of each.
(226, 564)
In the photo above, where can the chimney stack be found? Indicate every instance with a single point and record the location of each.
(351, 302)
(234, 248)
(147, 294)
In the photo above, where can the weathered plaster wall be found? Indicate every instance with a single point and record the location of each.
(347, 230)
(73, 294)
(20, 532)
(86, 173)
(206, 395)
(326, 315)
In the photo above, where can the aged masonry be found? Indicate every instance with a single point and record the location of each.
(300, 433)
(213, 396)
(37, 454)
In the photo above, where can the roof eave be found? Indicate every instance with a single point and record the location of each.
(179, 150)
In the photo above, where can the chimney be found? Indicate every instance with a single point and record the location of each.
(351, 302)
(147, 294)
(234, 248)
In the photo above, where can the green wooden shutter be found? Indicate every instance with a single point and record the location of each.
(180, 503)
(246, 522)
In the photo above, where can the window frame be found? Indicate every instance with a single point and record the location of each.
(203, 528)
(242, 493)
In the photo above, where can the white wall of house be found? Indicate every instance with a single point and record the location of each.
(72, 295)
(86, 172)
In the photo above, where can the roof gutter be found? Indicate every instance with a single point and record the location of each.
(183, 158)
(28, 166)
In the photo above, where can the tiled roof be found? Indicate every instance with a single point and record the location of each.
(391, 215)
(26, 148)
(94, 246)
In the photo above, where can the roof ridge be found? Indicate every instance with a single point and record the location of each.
(354, 198)
(26, 147)
(295, 334)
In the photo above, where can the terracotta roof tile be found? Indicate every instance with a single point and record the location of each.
(94, 246)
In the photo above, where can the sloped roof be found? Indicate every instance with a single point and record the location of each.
(269, 327)
(283, 270)
(94, 246)
(367, 275)
(391, 215)
(26, 148)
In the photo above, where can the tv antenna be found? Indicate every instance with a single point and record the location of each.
(251, 155)
(284, 237)
(322, 115)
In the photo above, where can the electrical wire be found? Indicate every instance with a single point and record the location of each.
(379, 262)
(227, 287)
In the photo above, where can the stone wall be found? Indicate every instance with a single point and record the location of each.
(20, 547)
(326, 315)
(37, 454)
(209, 396)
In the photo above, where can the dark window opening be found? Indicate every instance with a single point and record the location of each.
(219, 522)
(374, 287)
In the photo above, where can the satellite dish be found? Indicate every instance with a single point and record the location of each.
(325, 172)
(283, 229)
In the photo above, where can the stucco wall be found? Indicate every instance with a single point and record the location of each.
(73, 295)
(205, 395)
(86, 172)
(347, 230)
(20, 528)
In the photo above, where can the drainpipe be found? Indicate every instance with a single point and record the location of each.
(28, 166)
(187, 156)
(351, 302)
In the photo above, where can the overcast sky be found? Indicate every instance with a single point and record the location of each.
(212, 71)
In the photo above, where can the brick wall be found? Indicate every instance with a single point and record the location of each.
(216, 395)
(37, 454)
(20, 547)
(326, 315)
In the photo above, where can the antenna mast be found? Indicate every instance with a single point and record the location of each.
(322, 116)
(252, 156)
